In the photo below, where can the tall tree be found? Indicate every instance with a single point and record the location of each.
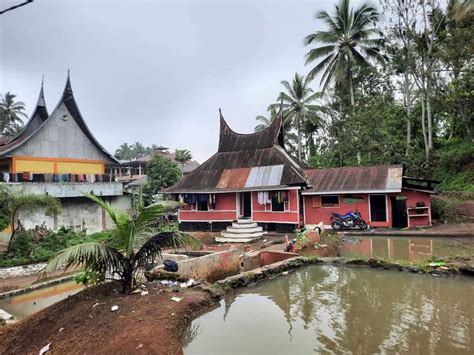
(352, 39)
(161, 173)
(182, 156)
(11, 114)
(124, 152)
(298, 104)
(264, 122)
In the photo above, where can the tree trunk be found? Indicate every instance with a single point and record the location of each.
(423, 126)
(351, 89)
(429, 115)
(407, 94)
(298, 124)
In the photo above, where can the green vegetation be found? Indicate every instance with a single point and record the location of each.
(13, 203)
(182, 156)
(397, 89)
(25, 250)
(123, 254)
(11, 114)
(161, 173)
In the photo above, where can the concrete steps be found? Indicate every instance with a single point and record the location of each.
(242, 231)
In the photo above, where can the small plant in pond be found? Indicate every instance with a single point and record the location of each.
(120, 257)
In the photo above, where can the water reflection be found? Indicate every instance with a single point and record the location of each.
(399, 248)
(331, 309)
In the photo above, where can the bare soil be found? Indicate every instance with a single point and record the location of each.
(85, 324)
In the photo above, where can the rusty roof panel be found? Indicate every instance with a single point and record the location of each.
(265, 176)
(352, 179)
(233, 178)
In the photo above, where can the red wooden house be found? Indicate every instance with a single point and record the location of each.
(381, 193)
(251, 177)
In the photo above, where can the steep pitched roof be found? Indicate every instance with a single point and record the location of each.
(37, 118)
(40, 117)
(245, 162)
(355, 179)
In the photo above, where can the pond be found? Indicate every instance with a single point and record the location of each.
(23, 305)
(329, 309)
(403, 248)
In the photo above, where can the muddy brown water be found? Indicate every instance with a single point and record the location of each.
(404, 248)
(23, 305)
(329, 309)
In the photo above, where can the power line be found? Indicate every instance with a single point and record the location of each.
(15, 7)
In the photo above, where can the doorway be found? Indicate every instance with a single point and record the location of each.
(378, 208)
(245, 204)
(399, 211)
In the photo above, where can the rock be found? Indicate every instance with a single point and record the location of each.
(114, 308)
(176, 299)
(44, 349)
(5, 315)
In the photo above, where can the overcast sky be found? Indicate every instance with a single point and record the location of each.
(157, 71)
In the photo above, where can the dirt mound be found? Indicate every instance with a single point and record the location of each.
(84, 323)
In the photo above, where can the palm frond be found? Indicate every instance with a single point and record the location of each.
(96, 257)
(164, 240)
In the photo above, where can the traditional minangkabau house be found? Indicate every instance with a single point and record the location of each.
(252, 178)
(58, 155)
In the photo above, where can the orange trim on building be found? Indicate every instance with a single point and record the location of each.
(100, 165)
(69, 160)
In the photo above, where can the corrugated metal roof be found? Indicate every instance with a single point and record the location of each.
(380, 178)
(233, 178)
(265, 176)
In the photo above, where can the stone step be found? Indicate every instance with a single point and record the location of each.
(244, 221)
(244, 225)
(242, 235)
(235, 240)
(244, 230)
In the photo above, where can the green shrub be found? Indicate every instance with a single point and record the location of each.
(24, 250)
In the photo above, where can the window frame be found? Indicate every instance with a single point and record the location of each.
(332, 206)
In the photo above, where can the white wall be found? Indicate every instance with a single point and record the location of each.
(78, 213)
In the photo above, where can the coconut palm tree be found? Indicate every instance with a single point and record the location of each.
(298, 104)
(264, 122)
(352, 39)
(121, 255)
(11, 112)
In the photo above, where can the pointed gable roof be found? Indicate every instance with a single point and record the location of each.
(37, 118)
(70, 102)
(40, 118)
(230, 141)
(254, 161)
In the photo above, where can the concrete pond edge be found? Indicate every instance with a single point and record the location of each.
(257, 275)
(36, 286)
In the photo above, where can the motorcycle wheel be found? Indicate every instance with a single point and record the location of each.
(362, 225)
(336, 225)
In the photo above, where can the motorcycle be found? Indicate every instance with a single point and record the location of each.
(347, 221)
